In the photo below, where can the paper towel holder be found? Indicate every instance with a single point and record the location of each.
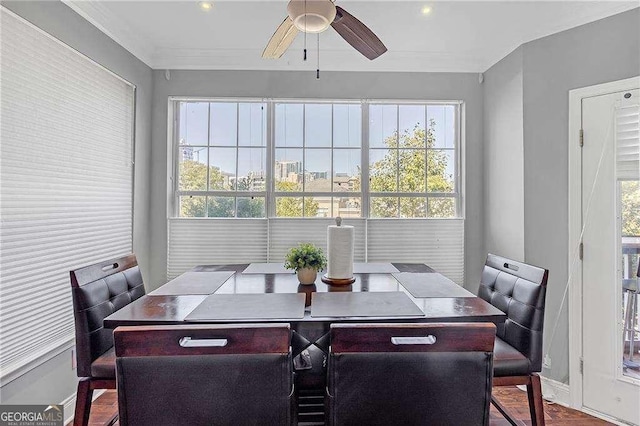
(337, 281)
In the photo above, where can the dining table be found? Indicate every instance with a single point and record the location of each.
(268, 293)
(246, 293)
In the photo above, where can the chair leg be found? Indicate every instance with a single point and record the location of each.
(83, 402)
(536, 407)
(505, 413)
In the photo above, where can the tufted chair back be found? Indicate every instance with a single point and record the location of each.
(518, 290)
(98, 291)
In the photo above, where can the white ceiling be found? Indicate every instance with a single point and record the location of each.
(461, 36)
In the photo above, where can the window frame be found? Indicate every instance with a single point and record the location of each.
(270, 194)
(457, 150)
(174, 157)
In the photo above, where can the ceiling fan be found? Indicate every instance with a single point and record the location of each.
(315, 16)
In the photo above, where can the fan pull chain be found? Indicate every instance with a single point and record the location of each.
(305, 31)
(318, 58)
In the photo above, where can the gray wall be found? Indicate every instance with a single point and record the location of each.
(503, 158)
(54, 381)
(336, 85)
(599, 52)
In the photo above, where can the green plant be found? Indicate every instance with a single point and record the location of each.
(306, 255)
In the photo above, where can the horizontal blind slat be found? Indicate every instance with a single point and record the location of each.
(628, 142)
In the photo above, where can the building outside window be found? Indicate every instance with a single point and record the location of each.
(317, 169)
(222, 149)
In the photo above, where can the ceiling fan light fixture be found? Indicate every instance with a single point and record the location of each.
(311, 16)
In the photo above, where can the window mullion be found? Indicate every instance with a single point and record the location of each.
(235, 198)
(398, 157)
(458, 160)
(270, 208)
(331, 203)
(222, 193)
(304, 155)
(426, 177)
(175, 207)
(364, 159)
(317, 194)
(426, 160)
(206, 203)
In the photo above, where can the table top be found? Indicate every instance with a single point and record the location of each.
(173, 309)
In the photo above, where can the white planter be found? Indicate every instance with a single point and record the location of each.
(307, 275)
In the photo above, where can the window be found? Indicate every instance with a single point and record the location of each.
(221, 159)
(412, 161)
(319, 159)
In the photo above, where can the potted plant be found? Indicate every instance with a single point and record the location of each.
(306, 260)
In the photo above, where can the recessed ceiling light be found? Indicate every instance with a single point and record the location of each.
(426, 10)
(205, 5)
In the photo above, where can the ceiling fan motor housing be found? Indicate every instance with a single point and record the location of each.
(311, 16)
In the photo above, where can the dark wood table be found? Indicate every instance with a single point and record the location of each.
(310, 334)
(156, 310)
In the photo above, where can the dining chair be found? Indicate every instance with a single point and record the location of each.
(410, 374)
(204, 375)
(519, 291)
(98, 290)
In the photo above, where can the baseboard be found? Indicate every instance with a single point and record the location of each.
(603, 416)
(69, 408)
(556, 392)
(70, 405)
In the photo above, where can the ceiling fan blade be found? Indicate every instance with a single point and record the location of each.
(357, 34)
(281, 40)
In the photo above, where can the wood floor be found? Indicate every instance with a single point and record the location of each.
(106, 406)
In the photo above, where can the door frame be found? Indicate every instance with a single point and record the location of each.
(575, 228)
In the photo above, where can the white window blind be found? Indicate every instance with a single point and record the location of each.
(214, 241)
(66, 181)
(628, 141)
(438, 243)
(287, 233)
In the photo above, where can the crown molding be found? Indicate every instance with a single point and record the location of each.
(330, 60)
(110, 24)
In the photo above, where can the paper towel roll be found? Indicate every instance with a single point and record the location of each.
(340, 247)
